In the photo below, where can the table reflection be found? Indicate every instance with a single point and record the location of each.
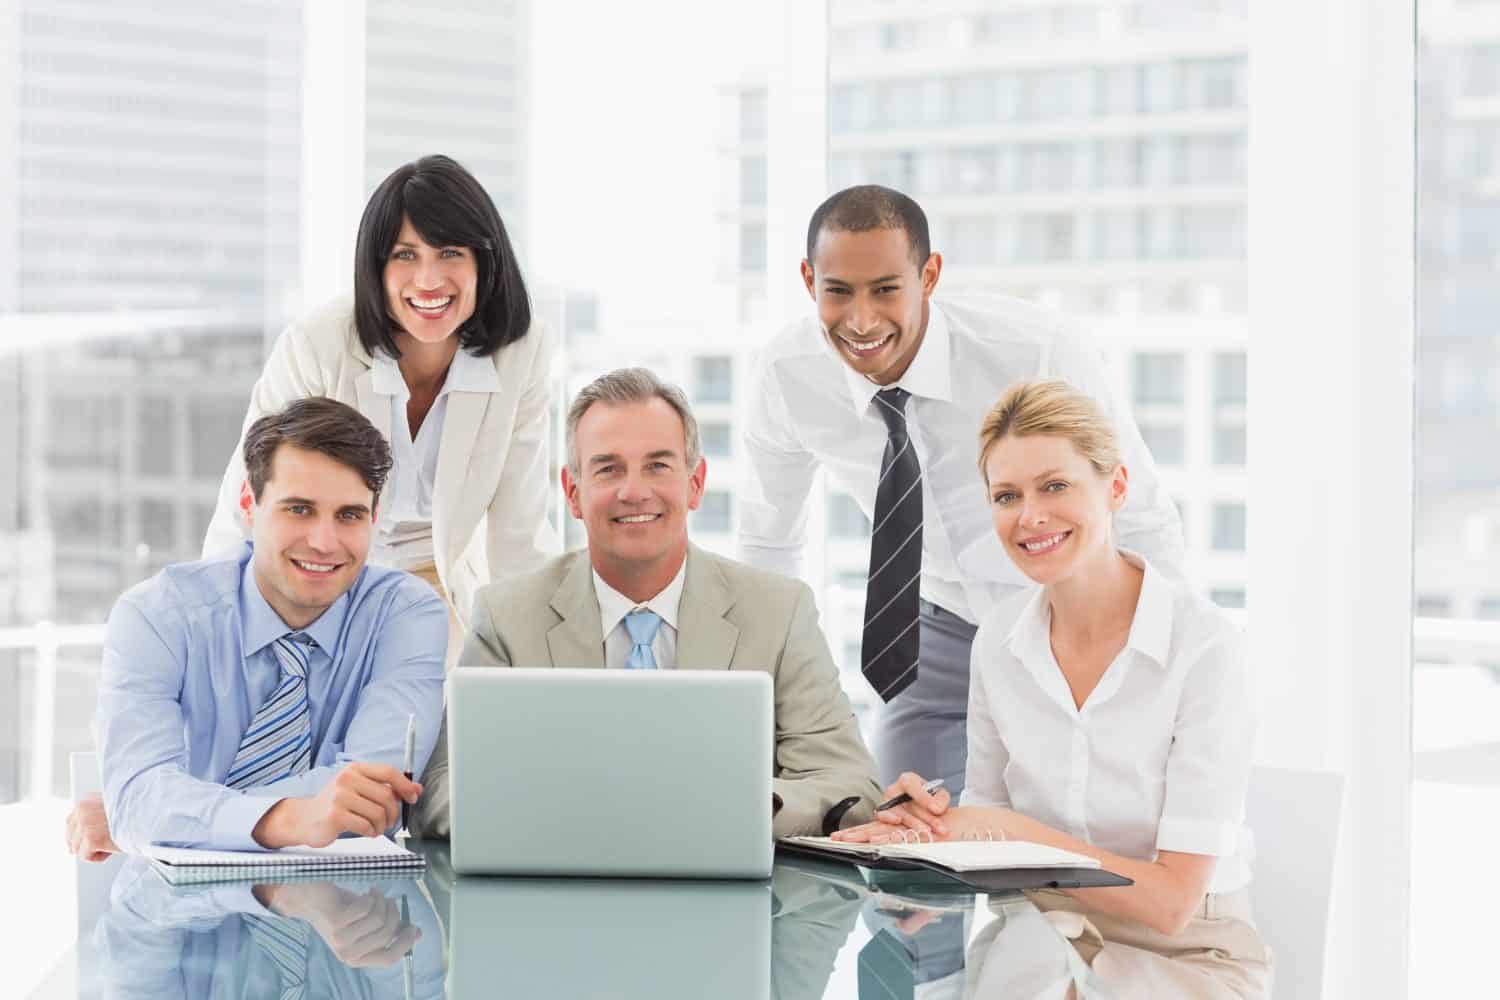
(377, 938)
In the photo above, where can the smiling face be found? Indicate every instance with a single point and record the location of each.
(872, 298)
(429, 291)
(311, 529)
(1050, 506)
(633, 490)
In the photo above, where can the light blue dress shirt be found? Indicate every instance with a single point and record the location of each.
(188, 660)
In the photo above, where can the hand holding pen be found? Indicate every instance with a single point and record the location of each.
(912, 799)
(408, 763)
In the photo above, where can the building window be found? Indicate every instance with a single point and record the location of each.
(713, 514)
(713, 379)
(1159, 379)
(753, 248)
(1229, 408)
(715, 437)
(753, 181)
(1228, 597)
(1229, 527)
(845, 519)
(1166, 441)
(1434, 606)
(755, 106)
(1488, 609)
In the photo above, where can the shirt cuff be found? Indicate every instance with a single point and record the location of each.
(235, 819)
(1196, 836)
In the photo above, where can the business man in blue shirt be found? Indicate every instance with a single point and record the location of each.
(262, 700)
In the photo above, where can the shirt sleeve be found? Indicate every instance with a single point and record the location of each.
(149, 796)
(984, 775)
(283, 379)
(1208, 765)
(1148, 523)
(777, 488)
(405, 679)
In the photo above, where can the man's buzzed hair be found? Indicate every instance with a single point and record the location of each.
(870, 206)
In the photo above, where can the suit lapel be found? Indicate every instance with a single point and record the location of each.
(375, 407)
(455, 452)
(577, 640)
(705, 638)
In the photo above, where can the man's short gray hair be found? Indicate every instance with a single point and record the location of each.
(631, 385)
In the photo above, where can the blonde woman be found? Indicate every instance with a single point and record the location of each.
(1109, 714)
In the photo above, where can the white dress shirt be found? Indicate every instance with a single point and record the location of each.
(403, 527)
(614, 606)
(1159, 756)
(809, 408)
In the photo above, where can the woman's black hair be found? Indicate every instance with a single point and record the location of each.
(449, 208)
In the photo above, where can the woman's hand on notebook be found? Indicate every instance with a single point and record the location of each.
(926, 814)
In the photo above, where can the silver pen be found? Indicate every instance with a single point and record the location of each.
(409, 762)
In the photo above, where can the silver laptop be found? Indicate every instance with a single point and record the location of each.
(610, 938)
(663, 773)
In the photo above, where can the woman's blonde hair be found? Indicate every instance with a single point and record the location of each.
(1051, 406)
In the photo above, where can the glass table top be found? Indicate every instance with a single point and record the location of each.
(812, 930)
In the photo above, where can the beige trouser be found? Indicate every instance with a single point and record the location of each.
(429, 573)
(1218, 955)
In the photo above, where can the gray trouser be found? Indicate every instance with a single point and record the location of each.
(923, 728)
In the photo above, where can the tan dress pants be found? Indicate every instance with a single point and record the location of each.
(429, 573)
(1218, 955)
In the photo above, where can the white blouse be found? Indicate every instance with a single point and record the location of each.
(403, 526)
(1158, 758)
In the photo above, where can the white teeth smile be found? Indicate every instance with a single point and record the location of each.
(314, 567)
(637, 518)
(1046, 543)
(431, 305)
(866, 348)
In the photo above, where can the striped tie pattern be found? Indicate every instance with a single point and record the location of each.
(888, 654)
(278, 743)
(642, 626)
(285, 941)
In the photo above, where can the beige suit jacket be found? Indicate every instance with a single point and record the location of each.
(493, 483)
(731, 617)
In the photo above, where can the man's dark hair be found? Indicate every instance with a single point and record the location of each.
(870, 206)
(448, 208)
(323, 425)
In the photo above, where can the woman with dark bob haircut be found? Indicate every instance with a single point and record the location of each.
(438, 349)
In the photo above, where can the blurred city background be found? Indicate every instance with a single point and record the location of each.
(1090, 155)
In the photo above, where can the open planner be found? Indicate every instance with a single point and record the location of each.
(986, 865)
(348, 856)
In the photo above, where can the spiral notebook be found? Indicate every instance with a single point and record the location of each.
(350, 855)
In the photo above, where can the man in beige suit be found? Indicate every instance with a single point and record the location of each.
(641, 597)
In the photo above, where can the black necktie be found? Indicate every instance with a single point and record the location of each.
(888, 656)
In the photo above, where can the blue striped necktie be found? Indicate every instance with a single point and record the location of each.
(278, 743)
(642, 626)
(285, 941)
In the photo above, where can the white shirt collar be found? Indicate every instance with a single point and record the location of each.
(614, 606)
(929, 376)
(466, 373)
(1150, 627)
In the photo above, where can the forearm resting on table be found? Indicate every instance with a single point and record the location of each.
(1167, 891)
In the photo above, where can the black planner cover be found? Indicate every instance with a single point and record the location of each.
(996, 880)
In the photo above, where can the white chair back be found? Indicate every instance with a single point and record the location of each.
(1295, 817)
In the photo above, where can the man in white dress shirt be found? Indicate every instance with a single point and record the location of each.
(885, 389)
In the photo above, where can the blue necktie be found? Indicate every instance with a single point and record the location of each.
(642, 626)
(285, 941)
(278, 743)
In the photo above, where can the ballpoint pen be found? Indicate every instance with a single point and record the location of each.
(408, 972)
(905, 797)
(406, 768)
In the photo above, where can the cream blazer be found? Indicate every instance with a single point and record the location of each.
(489, 503)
